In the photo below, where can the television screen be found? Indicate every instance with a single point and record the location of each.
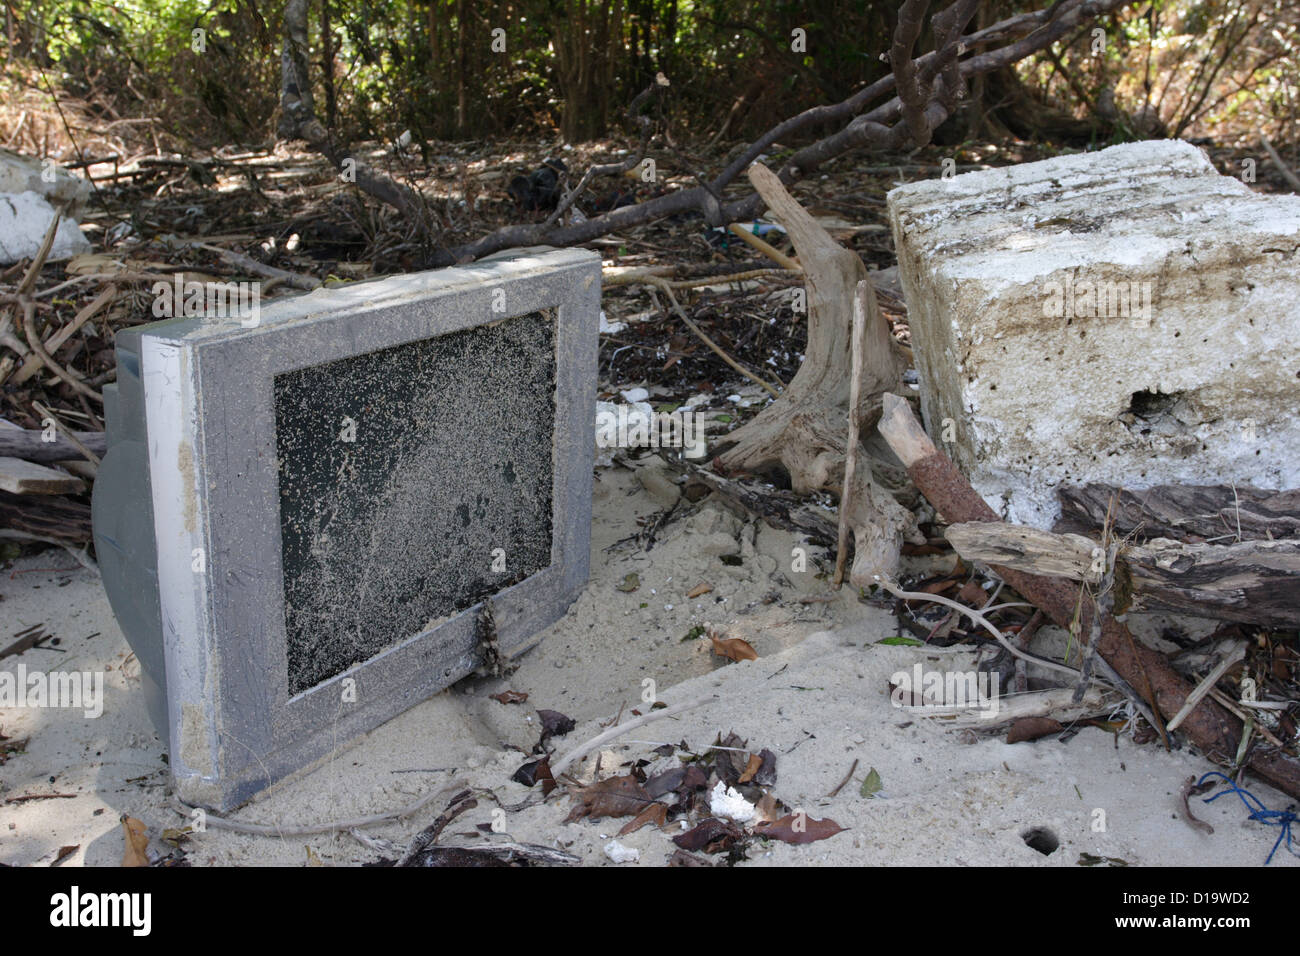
(302, 519)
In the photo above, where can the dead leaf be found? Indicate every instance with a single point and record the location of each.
(798, 828)
(769, 808)
(751, 768)
(136, 837)
(711, 836)
(666, 782)
(655, 813)
(612, 797)
(535, 772)
(65, 852)
(699, 589)
(555, 724)
(510, 697)
(733, 648)
(1031, 728)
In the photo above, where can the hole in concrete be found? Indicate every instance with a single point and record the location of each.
(1041, 839)
(1149, 404)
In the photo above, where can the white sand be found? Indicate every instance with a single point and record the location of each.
(817, 697)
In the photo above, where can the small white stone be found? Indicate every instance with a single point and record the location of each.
(620, 853)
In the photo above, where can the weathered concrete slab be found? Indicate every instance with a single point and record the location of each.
(30, 191)
(1126, 316)
(21, 174)
(24, 220)
(299, 522)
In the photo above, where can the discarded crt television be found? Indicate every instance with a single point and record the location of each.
(300, 519)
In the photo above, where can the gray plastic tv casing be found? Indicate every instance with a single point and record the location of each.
(190, 481)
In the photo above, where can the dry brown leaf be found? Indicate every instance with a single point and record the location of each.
(612, 797)
(511, 697)
(733, 648)
(1031, 728)
(798, 828)
(655, 813)
(751, 768)
(136, 836)
(699, 589)
(711, 836)
(65, 852)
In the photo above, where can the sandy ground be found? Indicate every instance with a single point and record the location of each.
(817, 697)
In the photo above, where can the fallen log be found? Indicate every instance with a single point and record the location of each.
(1253, 582)
(1214, 731)
(29, 444)
(1183, 511)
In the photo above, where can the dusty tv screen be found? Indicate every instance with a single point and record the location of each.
(400, 472)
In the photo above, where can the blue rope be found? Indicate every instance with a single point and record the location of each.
(1272, 818)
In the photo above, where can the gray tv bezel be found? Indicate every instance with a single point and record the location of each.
(233, 727)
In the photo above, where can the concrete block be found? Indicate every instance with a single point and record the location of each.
(24, 219)
(21, 174)
(1126, 316)
(300, 521)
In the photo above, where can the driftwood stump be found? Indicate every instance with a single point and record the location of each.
(805, 431)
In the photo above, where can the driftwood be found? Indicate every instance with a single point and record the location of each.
(29, 444)
(782, 509)
(25, 478)
(805, 431)
(1253, 582)
(1212, 729)
(45, 517)
(1183, 511)
(1056, 703)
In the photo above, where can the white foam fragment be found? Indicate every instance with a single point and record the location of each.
(620, 853)
(729, 802)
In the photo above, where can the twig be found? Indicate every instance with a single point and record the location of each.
(780, 258)
(295, 279)
(847, 777)
(615, 732)
(41, 796)
(459, 804)
(979, 619)
(855, 425)
(1186, 811)
(67, 433)
(1205, 686)
(717, 350)
(1282, 167)
(258, 829)
(34, 341)
(33, 363)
